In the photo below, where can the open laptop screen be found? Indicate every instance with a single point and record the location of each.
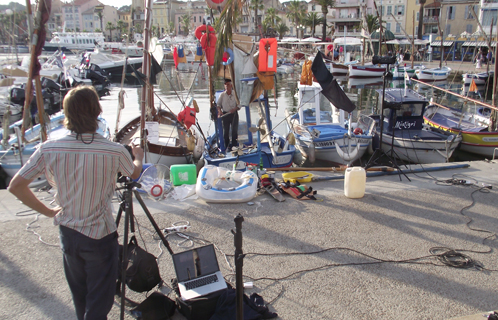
(195, 263)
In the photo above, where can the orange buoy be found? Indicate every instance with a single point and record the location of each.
(216, 4)
(268, 55)
(208, 43)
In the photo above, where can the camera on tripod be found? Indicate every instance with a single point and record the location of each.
(383, 59)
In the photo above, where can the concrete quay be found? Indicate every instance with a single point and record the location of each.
(371, 272)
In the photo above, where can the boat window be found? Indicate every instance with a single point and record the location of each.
(325, 110)
(410, 110)
(73, 41)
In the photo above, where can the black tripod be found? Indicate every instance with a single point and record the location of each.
(126, 206)
(379, 153)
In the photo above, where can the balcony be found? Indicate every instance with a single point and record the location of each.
(432, 19)
(351, 4)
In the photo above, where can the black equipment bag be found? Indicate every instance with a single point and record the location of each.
(201, 308)
(157, 306)
(142, 272)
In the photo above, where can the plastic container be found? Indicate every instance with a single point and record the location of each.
(183, 174)
(355, 179)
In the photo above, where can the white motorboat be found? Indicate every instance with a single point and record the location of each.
(433, 74)
(222, 185)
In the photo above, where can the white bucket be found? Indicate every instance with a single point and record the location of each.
(355, 179)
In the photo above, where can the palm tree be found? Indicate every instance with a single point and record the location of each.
(282, 28)
(372, 23)
(110, 26)
(311, 20)
(295, 12)
(121, 26)
(272, 19)
(256, 5)
(420, 18)
(185, 21)
(325, 4)
(100, 15)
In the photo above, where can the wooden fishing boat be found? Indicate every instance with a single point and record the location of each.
(272, 150)
(480, 78)
(367, 71)
(166, 141)
(222, 185)
(399, 72)
(476, 137)
(162, 136)
(316, 130)
(433, 74)
(403, 130)
(341, 68)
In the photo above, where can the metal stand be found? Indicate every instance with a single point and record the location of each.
(379, 153)
(239, 263)
(126, 205)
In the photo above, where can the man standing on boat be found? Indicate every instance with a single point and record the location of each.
(227, 110)
(83, 167)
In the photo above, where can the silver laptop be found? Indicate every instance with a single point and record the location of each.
(198, 272)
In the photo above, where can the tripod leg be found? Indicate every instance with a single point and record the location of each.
(154, 224)
(124, 263)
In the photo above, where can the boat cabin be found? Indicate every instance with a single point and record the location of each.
(403, 109)
(314, 108)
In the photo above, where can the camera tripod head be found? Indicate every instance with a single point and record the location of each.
(128, 183)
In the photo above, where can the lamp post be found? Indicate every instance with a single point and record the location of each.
(300, 27)
(9, 12)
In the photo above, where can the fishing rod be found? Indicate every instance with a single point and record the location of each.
(458, 95)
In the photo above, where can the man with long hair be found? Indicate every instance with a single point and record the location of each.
(83, 167)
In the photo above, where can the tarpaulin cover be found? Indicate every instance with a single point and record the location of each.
(330, 88)
(45, 6)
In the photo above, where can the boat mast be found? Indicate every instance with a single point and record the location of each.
(442, 46)
(406, 33)
(147, 96)
(380, 29)
(29, 84)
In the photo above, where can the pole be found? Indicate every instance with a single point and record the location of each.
(494, 113)
(29, 83)
(489, 48)
(145, 97)
(239, 263)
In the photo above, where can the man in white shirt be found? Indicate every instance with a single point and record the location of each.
(227, 109)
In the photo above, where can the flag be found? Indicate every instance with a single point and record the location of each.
(473, 86)
(330, 88)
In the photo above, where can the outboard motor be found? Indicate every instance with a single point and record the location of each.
(17, 95)
(50, 85)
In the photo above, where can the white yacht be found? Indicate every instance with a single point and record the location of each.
(74, 41)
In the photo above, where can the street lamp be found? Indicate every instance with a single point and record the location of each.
(9, 12)
(300, 27)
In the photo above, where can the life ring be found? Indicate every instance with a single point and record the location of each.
(357, 131)
(202, 28)
(215, 4)
(230, 57)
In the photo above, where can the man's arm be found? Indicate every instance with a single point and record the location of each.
(138, 152)
(19, 187)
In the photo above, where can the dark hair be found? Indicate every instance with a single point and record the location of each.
(228, 81)
(82, 108)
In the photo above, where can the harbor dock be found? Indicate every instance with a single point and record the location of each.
(376, 257)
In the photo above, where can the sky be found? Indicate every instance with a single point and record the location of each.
(114, 3)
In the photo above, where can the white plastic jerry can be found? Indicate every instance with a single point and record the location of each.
(355, 179)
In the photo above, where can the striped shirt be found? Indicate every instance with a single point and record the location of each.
(85, 177)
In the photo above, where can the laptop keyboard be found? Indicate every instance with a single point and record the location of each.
(201, 282)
